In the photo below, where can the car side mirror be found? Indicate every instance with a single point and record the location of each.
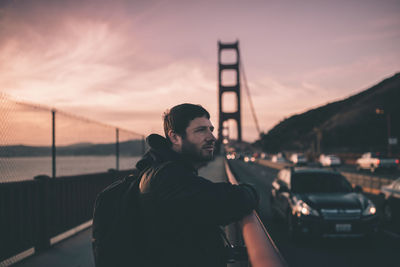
(358, 189)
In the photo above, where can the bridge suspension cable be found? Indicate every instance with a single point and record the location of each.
(246, 86)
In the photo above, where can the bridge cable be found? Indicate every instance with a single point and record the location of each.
(246, 86)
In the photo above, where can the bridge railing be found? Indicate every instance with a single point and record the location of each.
(261, 249)
(34, 212)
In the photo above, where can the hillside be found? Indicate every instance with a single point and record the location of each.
(351, 124)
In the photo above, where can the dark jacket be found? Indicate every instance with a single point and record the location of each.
(182, 211)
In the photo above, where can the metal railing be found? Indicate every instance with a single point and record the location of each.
(369, 184)
(261, 249)
(38, 142)
(33, 212)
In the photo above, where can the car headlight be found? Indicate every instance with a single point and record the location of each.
(370, 209)
(305, 209)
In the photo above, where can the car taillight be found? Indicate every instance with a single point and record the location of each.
(397, 161)
(378, 161)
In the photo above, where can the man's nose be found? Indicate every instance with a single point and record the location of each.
(211, 137)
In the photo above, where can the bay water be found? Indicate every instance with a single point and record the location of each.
(26, 168)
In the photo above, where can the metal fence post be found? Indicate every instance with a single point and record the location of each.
(53, 147)
(43, 237)
(117, 148)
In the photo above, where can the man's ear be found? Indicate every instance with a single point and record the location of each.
(175, 138)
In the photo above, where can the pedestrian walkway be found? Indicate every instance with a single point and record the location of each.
(76, 251)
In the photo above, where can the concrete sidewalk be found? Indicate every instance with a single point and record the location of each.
(76, 251)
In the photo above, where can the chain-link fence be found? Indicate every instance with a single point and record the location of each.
(36, 140)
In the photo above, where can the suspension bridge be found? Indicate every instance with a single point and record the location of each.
(46, 221)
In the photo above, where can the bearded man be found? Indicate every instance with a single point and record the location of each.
(181, 211)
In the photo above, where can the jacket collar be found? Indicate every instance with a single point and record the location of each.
(160, 151)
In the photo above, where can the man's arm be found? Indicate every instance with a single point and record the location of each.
(201, 201)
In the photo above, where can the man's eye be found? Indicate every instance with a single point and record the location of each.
(204, 129)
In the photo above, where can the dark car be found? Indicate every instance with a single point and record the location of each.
(391, 204)
(321, 203)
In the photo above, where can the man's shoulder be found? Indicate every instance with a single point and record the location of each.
(166, 171)
(173, 169)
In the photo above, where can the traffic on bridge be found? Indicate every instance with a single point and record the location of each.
(306, 223)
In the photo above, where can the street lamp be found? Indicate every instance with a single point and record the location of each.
(318, 135)
(390, 140)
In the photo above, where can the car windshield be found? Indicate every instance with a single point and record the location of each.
(314, 182)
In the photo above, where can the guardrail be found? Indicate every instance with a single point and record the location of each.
(369, 184)
(261, 248)
(33, 212)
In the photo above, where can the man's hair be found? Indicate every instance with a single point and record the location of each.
(178, 118)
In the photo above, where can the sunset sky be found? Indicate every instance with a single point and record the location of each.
(125, 62)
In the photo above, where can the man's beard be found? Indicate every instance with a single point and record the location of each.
(194, 154)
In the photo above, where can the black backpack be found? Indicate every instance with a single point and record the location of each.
(117, 230)
(114, 222)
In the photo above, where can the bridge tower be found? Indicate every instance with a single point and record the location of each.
(224, 88)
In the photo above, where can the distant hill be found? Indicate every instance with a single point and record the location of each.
(351, 124)
(127, 148)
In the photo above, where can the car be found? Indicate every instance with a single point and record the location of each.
(329, 160)
(249, 158)
(279, 158)
(319, 202)
(391, 203)
(231, 155)
(373, 161)
(298, 159)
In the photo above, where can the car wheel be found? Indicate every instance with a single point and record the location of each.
(387, 213)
